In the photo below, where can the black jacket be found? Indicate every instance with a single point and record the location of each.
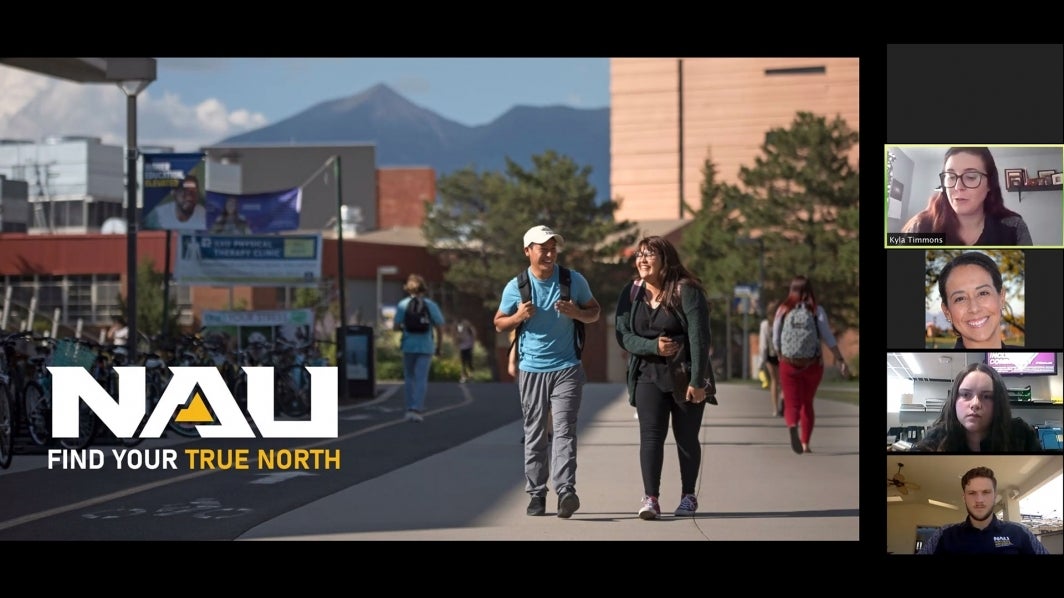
(1022, 438)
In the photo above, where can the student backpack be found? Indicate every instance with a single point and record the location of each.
(416, 319)
(565, 278)
(799, 337)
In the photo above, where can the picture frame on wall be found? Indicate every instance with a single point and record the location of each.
(1046, 173)
(1057, 178)
(1015, 177)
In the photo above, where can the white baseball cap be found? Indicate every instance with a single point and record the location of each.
(541, 234)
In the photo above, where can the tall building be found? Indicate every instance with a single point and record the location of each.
(74, 183)
(668, 115)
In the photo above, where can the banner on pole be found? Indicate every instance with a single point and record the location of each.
(173, 192)
(276, 211)
(242, 328)
(249, 260)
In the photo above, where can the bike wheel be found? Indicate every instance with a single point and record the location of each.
(38, 413)
(87, 426)
(293, 392)
(7, 426)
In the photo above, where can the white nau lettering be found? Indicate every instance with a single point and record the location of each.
(72, 383)
(123, 416)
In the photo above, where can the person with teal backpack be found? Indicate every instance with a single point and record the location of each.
(420, 319)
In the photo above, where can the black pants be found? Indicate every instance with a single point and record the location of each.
(654, 408)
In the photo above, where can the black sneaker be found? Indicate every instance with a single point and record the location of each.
(568, 503)
(796, 443)
(537, 506)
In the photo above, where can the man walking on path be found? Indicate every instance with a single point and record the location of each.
(550, 375)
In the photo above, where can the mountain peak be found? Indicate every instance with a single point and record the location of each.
(407, 134)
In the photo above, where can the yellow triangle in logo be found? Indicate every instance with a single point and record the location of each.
(195, 413)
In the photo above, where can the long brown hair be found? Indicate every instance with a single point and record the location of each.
(939, 217)
(673, 272)
(955, 439)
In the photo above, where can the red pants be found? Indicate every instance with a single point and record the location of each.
(799, 387)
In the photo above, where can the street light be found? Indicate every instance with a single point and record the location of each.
(132, 75)
(132, 89)
(381, 271)
(760, 242)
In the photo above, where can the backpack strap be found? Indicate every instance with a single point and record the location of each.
(565, 280)
(634, 291)
(524, 286)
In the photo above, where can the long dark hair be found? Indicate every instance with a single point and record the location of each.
(955, 438)
(673, 272)
(939, 217)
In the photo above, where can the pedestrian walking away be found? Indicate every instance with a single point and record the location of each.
(420, 320)
(799, 329)
(467, 338)
(770, 362)
(550, 375)
(662, 321)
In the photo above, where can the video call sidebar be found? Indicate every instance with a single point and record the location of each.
(1026, 136)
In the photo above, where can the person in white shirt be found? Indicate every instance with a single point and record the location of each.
(185, 212)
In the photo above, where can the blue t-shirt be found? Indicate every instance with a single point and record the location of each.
(419, 342)
(546, 343)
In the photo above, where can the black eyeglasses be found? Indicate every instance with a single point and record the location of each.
(970, 179)
(647, 254)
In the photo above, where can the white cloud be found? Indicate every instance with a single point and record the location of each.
(35, 106)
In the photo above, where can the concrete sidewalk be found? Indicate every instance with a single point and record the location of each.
(751, 487)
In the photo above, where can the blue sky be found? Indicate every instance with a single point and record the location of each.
(199, 101)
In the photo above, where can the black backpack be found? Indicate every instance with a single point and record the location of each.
(416, 318)
(565, 279)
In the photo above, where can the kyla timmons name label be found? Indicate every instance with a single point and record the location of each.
(300, 459)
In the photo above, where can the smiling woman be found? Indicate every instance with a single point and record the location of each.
(975, 299)
(968, 207)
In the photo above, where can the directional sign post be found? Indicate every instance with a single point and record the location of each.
(747, 295)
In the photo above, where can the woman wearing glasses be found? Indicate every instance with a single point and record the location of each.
(970, 287)
(662, 320)
(968, 208)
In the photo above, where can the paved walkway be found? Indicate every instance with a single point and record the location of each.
(752, 486)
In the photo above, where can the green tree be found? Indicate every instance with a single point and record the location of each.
(801, 199)
(477, 225)
(712, 250)
(150, 285)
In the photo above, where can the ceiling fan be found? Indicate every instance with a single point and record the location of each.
(898, 481)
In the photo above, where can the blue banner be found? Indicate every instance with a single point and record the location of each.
(173, 187)
(229, 214)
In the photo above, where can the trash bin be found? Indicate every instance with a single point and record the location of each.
(356, 361)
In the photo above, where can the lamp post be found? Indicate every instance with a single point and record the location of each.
(132, 89)
(381, 271)
(760, 242)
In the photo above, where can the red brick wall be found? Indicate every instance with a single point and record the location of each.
(401, 193)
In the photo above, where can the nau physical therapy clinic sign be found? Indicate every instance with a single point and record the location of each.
(251, 260)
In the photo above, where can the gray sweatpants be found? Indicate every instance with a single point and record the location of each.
(560, 392)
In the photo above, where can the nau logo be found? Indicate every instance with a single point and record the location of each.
(1002, 541)
(124, 415)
